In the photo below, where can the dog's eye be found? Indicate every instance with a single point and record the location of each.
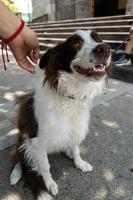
(78, 44)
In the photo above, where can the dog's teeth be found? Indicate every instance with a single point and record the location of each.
(94, 69)
(103, 68)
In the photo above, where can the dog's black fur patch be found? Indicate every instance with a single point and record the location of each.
(27, 123)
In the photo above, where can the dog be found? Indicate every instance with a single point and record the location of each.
(55, 116)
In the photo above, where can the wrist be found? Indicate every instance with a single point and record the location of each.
(12, 28)
(15, 34)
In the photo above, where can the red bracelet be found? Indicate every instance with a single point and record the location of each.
(8, 40)
(14, 35)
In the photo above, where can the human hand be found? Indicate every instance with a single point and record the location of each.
(25, 48)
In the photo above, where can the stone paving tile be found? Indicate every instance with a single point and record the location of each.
(2, 117)
(11, 115)
(7, 141)
(13, 120)
(5, 123)
(6, 130)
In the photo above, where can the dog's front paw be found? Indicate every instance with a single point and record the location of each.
(84, 166)
(52, 187)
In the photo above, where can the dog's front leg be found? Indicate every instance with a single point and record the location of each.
(47, 177)
(79, 162)
(43, 166)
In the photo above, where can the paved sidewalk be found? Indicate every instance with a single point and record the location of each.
(108, 147)
(13, 82)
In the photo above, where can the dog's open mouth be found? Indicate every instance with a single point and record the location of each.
(97, 70)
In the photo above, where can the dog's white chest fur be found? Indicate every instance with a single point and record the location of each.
(64, 117)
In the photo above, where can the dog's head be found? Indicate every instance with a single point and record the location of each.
(83, 54)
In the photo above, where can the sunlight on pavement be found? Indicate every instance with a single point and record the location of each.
(3, 110)
(111, 124)
(108, 175)
(101, 194)
(13, 132)
(111, 89)
(11, 196)
(129, 95)
(106, 104)
(4, 87)
(115, 82)
(10, 96)
(120, 192)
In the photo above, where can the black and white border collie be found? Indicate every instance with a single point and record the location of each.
(55, 116)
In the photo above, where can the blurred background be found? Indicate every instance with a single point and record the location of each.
(53, 10)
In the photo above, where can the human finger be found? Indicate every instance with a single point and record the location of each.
(30, 55)
(34, 55)
(26, 64)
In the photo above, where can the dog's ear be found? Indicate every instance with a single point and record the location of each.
(44, 61)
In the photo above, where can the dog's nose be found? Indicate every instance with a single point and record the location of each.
(102, 48)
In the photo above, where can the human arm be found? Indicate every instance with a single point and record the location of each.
(25, 45)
